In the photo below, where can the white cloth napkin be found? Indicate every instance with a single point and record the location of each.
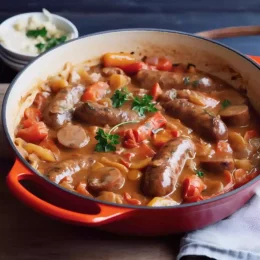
(234, 238)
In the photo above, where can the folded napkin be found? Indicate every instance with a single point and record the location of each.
(234, 238)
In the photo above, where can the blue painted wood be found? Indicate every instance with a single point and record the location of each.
(131, 6)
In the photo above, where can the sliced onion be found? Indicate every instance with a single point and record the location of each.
(152, 61)
(255, 142)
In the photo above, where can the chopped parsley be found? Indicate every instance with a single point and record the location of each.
(120, 97)
(35, 33)
(225, 103)
(195, 83)
(186, 81)
(143, 105)
(106, 141)
(50, 43)
(199, 173)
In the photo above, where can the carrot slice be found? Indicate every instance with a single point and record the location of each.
(156, 91)
(133, 68)
(144, 130)
(95, 92)
(33, 113)
(131, 200)
(250, 134)
(34, 134)
(118, 59)
(192, 187)
(164, 64)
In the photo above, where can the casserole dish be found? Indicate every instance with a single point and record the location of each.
(67, 206)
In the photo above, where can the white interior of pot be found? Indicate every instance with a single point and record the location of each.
(207, 56)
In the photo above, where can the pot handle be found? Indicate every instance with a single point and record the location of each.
(20, 172)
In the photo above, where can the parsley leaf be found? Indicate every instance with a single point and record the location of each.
(106, 142)
(40, 46)
(35, 33)
(143, 104)
(199, 173)
(186, 81)
(225, 103)
(120, 97)
(195, 83)
(50, 43)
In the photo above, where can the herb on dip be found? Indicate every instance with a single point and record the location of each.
(33, 35)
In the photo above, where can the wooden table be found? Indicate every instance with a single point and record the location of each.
(25, 234)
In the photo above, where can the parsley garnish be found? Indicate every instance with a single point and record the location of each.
(106, 141)
(195, 83)
(143, 104)
(120, 97)
(199, 173)
(50, 43)
(225, 103)
(186, 80)
(38, 32)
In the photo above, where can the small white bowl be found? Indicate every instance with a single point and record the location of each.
(19, 58)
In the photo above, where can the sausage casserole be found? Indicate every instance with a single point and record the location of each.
(147, 132)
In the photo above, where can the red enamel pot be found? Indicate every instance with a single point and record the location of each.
(68, 206)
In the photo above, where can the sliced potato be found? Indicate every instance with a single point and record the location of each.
(141, 164)
(117, 81)
(42, 153)
(161, 202)
(243, 164)
(117, 165)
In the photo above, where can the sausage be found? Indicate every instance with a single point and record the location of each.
(60, 170)
(218, 165)
(162, 173)
(99, 115)
(72, 136)
(105, 179)
(60, 108)
(235, 115)
(197, 98)
(208, 126)
(178, 80)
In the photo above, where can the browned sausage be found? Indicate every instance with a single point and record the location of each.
(105, 179)
(162, 173)
(218, 166)
(61, 107)
(235, 115)
(66, 168)
(99, 115)
(178, 80)
(208, 126)
(72, 136)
